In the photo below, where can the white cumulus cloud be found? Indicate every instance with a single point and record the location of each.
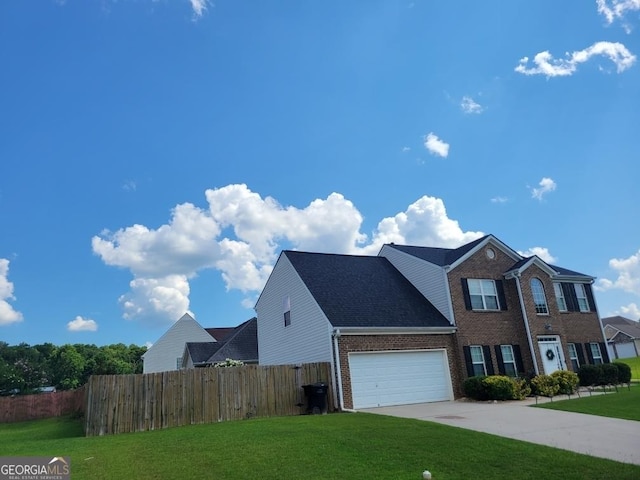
(7, 313)
(499, 200)
(546, 185)
(545, 64)
(199, 7)
(80, 324)
(241, 234)
(469, 105)
(628, 271)
(631, 311)
(617, 9)
(541, 252)
(435, 146)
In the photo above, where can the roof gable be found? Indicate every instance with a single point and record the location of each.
(242, 344)
(627, 327)
(184, 323)
(363, 291)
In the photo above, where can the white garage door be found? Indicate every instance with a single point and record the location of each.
(626, 350)
(381, 379)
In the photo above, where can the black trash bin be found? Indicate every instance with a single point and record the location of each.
(316, 394)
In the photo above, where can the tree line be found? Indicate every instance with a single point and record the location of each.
(28, 368)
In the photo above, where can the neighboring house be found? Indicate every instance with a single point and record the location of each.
(166, 353)
(410, 324)
(623, 336)
(240, 343)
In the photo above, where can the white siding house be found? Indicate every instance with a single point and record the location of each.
(307, 338)
(166, 354)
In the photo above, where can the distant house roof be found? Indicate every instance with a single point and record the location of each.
(363, 291)
(220, 333)
(241, 344)
(200, 352)
(624, 325)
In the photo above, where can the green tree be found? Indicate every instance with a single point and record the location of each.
(67, 367)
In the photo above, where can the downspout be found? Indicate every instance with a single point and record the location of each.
(338, 372)
(526, 325)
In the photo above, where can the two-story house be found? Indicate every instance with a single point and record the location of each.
(410, 324)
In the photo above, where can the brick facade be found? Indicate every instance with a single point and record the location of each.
(377, 343)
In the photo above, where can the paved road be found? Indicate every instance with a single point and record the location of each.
(603, 437)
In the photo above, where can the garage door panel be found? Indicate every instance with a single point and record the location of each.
(625, 350)
(396, 378)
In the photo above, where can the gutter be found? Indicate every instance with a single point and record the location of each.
(396, 330)
(338, 373)
(526, 325)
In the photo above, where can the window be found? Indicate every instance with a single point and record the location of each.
(483, 294)
(179, 363)
(539, 298)
(581, 294)
(286, 307)
(573, 356)
(562, 303)
(477, 360)
(595, 353)
(509, 361)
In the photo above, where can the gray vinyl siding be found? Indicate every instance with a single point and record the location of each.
(162, 355)
(429, 279)
(307, 338)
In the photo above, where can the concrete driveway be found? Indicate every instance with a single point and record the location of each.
(589, 434)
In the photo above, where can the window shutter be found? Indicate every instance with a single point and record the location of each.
(486, 350)
(517, 354)
(467, 360)
(580, 353)
(587, 348)
(589, 292)
(465, 293)
(501, 297)
(604, 352)
(570, 297)
(498, 351)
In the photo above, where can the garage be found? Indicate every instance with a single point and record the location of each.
(625, 350)
(380, 379)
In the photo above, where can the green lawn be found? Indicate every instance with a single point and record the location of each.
(623, 404)
(634, 363)
(338, 446)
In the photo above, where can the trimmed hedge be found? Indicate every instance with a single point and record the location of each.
(545, 385)
(624, 372)
(496, 387)
(567, 381)
(590, 375)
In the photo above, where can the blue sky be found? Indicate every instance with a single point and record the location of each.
(156, 156)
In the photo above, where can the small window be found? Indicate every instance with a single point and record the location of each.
(581, 294)
(560, 300)
(539, 298)
(483, 294)
(477, 359)
(286, 307)
(178, 363)
(596, 354)
(509, 361)
(573, 356)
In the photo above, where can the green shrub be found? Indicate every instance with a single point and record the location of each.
(474, 388)
(590, 375)
(624, 372)
(521, 389)
(545, 385)
(229, 362)
(567, 381)
(609, 374)
(499, 387)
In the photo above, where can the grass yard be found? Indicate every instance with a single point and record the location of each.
(338, 446)
(623, 404)
(634, 363)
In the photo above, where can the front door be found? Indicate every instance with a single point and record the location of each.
(551, 354)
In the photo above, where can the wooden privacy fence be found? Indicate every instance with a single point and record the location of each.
(134, 403)
(43, 405)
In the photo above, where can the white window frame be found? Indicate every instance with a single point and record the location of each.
(595, 348)
(474, 361)
(512, 361)
(573, 356)
(560, 300)
(539, 297)
(178, 363)
(581, 294)
(480, 288)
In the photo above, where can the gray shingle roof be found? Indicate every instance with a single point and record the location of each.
(363, 291)
(201, 351)
(626, 326)
(242, 344)
(439, 256)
